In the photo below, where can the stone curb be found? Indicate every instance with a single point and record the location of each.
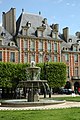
(59, 106)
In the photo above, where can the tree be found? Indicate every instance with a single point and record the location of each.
(56, 73)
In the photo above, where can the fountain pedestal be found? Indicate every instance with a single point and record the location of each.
(33, 83)
(33, 88)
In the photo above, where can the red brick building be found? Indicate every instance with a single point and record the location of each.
(8, 48)
(70, 52)
(31, 38)
(37, 41)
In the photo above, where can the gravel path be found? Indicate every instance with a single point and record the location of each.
(56, 106)
(66, 104)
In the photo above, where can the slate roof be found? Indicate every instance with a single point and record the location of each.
(72, 40)
(36, 21)
(25, 17)
(5, 36)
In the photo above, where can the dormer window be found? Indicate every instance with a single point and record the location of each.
(25, 28)
(24, 31)
(64, 48)
(3, 34)
(78, 41)
(40, 33)
(40, 30)
(28, 24)
(74, 48)
(70, 40)
(53, 34)
(12, 43)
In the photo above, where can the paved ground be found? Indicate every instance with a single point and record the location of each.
(55, 106)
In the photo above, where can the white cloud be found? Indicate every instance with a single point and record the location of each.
(67, 4)
(72, 15)
(73, 4)
(59, 1)
(0, 1)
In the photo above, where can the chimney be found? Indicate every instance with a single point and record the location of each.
(45, 20)
(56, 27)
(65, 33)
(22, 10)
(39, 12)
(3, 20)
(9, 21)
(78, 34)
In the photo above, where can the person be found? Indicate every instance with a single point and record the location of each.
(79, 90)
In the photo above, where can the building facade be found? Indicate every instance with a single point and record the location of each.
(37, 41)
(30, 38)
(70, 52)
(8, 49)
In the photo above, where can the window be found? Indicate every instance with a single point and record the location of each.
(12, 43)
(25, 45)
(40, 45)
(75, 57)
(55, 58)
(40, 33)
(32, 46)
(0, 55)
(76, 71)
(32, 57)
(49, 58)
(70, 40)
(54, 35)
(25, 58)
(75, 48)
(24, 31)
(66, 57)
(49, 46)
(55, 47)
(40, 58)
(12, 57)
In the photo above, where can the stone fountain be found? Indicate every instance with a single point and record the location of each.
(32, 84)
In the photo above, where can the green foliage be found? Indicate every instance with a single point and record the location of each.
(41, 65)
(11, 74)
(56, 74)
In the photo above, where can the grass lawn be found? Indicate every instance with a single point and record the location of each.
(55, 114)
(75, 99)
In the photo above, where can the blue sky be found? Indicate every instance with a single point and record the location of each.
(64, 12)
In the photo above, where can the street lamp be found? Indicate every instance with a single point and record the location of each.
(45, 73)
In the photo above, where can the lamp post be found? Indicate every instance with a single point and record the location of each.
(45, 73)
(46, 77)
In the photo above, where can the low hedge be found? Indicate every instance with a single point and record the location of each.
(11, 74)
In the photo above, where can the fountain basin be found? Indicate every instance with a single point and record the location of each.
(24, 103)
